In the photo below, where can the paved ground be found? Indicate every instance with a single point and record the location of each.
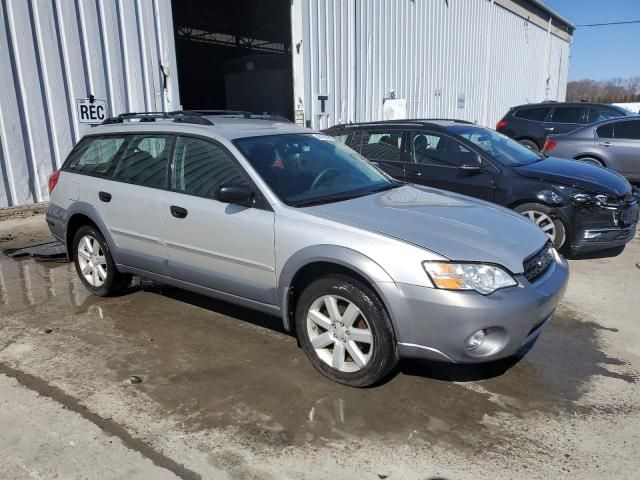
(226, 394)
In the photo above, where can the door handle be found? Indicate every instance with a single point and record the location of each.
(549, 129)
(178, 212)
(375, 163)
(104, 196)
(605, 144)
(415, 174)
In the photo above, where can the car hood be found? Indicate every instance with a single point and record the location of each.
(581, 175)
(452, 225)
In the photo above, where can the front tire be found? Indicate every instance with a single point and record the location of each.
(345, 331)
(95, 265)
(544, 218)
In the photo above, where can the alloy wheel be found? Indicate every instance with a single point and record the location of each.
(339, 333)
(542, 220)
(92, 261)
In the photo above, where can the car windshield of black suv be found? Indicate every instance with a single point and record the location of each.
(502, 148)
(311, 169)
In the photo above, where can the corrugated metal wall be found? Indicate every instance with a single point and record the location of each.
(431, 52)
(55, 51)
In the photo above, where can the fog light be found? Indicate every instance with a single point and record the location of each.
(476, 340)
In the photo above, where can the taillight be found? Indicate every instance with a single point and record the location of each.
(549, 144)
(501, 124)
(53, 180)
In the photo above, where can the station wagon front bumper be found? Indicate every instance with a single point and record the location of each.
(435, 324)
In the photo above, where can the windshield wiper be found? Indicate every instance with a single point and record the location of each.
(330, 199)
(347, 195)
(384, 188)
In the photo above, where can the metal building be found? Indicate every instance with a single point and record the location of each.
(66, 64)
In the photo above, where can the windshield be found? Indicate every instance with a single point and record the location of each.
(502, 148)
(310, 169)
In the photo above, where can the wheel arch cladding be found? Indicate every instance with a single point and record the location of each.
(320, 260)
(84, 214)
(591, 155)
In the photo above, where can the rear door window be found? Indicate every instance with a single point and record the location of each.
(537, 114)
(382, 145)
(95, 155)
(145, 161)
(568, 115)
(605, 131)
(627, 130)
(355, 142)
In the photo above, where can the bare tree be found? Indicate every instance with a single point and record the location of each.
(606, 91)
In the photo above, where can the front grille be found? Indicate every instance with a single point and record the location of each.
(537, 264)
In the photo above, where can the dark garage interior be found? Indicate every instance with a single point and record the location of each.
(234, 55)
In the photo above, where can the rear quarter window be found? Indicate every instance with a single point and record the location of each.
(537, 114)
(95, 155)
(629, 130)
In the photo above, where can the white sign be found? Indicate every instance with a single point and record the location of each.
(91, 110)
(394, 109)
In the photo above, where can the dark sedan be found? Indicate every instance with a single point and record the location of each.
(580, 206)
(611, 143)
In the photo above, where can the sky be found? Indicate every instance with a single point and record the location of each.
(600, 53)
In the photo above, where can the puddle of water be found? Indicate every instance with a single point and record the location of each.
(215, 365)
(25, 283)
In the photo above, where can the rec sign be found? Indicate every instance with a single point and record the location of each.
(91, 110)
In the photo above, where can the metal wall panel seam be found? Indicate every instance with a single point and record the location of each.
(106, 54)
(125, 59)
(5, 192)
(148, 103)
(88, 74)
(165, 22)
(45, 85)
(160, 52)
(33, 181)
(154, 60)
(69, 84)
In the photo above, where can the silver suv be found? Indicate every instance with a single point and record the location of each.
(363, 268)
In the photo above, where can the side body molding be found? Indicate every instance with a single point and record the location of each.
(343, 256)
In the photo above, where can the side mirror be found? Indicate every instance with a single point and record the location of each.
(234, 193)
(472, 166)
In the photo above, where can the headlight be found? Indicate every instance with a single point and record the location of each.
(588, 199)
(484, 279)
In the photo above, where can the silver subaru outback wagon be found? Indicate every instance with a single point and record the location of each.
(364, 269)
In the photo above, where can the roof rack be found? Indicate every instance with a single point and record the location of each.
(177, 117)
(455, 120)
(408, 121)
(274, 117)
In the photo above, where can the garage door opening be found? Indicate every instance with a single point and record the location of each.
(234, 55)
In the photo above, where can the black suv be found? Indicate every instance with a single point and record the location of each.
(530, 124)
(581, 206)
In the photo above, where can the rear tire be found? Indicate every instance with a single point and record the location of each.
(345, 331)
(95, 265)
(544, 218)
(591, 161)
(530, 144)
